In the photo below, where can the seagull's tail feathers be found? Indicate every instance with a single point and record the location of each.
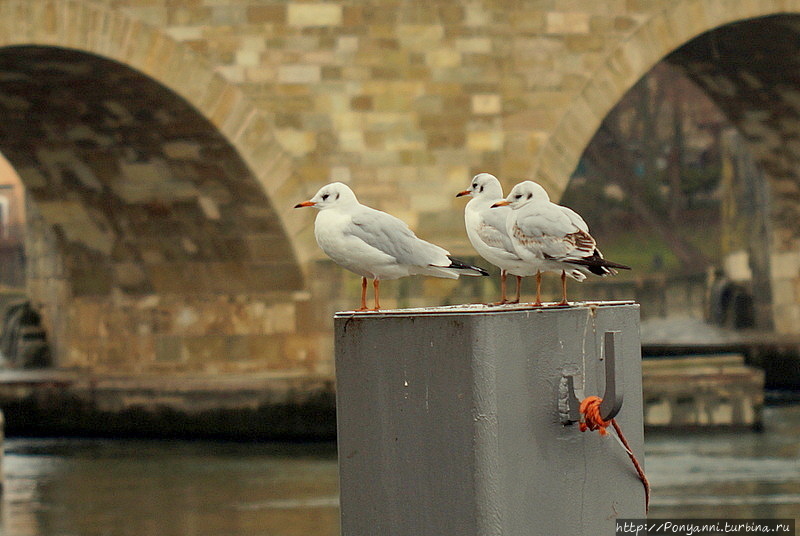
(576, 274)
(457, 268)
(596, 264)
(464, 268)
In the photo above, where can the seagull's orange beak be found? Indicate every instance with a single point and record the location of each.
(305, 204)
(502, 203)
(465, 192)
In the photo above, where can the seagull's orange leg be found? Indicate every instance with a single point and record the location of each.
(519, 288)
(363, 295)
(538, 289)
(503, 300)
(375, 287)
(563, 288)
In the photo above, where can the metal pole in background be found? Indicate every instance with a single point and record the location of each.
(449, 421)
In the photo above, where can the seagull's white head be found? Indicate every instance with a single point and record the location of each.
(330, 195)
(484, 185)
(522, 194)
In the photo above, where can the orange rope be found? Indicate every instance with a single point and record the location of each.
(590, 409)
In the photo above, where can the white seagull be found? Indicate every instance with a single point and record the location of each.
(375, 244)
(486, 229)
(553, 237)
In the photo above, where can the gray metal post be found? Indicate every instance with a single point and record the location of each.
(449, 422)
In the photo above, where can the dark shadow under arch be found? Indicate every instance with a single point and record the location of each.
(143, 193)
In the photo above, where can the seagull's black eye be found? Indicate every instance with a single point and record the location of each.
(518, 196)
(530, 195)
(325, 196)
(475, 186)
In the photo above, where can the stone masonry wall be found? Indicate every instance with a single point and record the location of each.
(403, 100)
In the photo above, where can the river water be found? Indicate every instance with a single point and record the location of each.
(68, 487)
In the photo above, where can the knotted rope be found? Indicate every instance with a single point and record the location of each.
(590, 409)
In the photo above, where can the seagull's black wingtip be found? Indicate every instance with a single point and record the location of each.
(461, 265)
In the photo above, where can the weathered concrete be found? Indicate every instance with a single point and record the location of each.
(448, 421)
(702, 392)
(244, 407)
(777, 355)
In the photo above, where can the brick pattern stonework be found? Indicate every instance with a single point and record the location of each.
(164, 143)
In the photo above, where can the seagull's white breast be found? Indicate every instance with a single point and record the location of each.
(491, 241)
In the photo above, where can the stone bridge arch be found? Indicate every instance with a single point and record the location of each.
(403, 100)
(743, 54)
(155, 244)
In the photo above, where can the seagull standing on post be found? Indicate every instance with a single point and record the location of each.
(554, 237)
(486, 229)
(374, 244)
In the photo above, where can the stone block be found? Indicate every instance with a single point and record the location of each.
(419, 37)
(787, 317)
(299, 74)
(267, 350)
(201, 350)
(486, 104)
(88, 281)
(262, 247)
(168, 349)
(443, 58)
(130, 276)
(280, 318)
(269, 277)
(314, 14)
(248, 58)
(296, 142)
(485, 141)
(567, 23)
(261, 14)
(474, 45)
(785, 265)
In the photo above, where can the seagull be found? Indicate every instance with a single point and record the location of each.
(486, 229)
(374, 244)
(553, 237)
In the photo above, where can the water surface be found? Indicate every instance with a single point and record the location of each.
(68, 487)
(58, 487)
(732, 474)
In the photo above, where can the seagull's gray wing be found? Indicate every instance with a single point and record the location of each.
(554, 233)
(392, 236)
(575, 218)
(492, 229)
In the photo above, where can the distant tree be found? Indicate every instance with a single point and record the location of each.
(643, 145)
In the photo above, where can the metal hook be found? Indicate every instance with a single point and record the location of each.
(613, 395)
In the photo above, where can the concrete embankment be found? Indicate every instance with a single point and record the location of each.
(702, 392)
(246, 407)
